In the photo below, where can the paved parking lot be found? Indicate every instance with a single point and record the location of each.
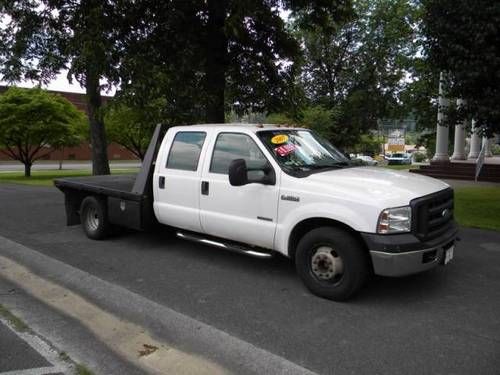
(441, 322)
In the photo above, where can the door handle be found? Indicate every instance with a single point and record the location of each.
(161, 182)
(204, 187)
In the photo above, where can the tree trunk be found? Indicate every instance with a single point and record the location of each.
(216, 61)
(61, 158)
(27, 169)
(100, 163)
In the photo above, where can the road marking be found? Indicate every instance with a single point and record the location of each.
(44, 349)
(125, 338)
(34, 371)
(232, 353)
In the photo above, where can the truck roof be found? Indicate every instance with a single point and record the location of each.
(230, 126)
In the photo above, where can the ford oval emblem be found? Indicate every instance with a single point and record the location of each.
(445, 212)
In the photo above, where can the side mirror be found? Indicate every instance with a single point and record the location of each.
(238, 173)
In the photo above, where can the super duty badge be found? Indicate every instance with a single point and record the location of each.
(290, 198)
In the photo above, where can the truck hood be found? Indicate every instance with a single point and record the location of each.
(389, 188)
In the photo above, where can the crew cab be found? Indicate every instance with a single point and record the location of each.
(261, 190)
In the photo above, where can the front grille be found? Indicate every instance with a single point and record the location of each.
(432, 214)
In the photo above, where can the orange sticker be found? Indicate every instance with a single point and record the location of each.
(279, 139)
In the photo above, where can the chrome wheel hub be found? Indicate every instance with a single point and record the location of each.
(326, 264)
(92, 218)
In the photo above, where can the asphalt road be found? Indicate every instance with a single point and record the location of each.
(442, 322)
(16, 353)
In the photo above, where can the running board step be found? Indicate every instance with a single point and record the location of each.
(230, 246)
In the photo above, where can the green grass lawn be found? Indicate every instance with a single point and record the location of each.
(401, 166)
(46, 177)
(478, 207)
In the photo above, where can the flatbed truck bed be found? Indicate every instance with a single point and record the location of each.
(128, 199)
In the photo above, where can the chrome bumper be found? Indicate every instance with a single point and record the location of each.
(401, 264)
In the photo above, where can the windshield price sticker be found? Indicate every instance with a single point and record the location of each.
(285, 150)
(279, 139)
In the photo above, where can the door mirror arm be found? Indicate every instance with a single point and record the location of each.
(269, 177)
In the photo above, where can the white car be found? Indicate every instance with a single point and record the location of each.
(367, 160)
(398, 158)
(261, 190)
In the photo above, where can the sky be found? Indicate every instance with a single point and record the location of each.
(59, 84)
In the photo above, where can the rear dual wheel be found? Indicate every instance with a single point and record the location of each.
(332, 263)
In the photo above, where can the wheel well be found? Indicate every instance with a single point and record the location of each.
(73, 202)
(308, 224)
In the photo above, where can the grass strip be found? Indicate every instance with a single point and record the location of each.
(13, 320)
(478, 207)
(46, 177)
(82, 370)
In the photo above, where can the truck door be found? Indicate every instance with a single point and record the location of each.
(246, 213)
(177, 181)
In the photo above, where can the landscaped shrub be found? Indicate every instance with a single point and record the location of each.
(419, 157)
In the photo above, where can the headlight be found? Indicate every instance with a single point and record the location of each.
(394, 220)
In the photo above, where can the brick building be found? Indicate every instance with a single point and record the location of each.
(82, 152)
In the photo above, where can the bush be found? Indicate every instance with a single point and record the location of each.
(495, 149)
(279, 118)
(419, 157)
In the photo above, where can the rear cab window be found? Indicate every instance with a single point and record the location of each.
(185, 150)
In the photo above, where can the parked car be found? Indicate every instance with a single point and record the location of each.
(262, 190)
(398, 158)
(367, 160)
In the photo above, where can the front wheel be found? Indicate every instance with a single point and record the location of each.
(331, 263)
(94, 218)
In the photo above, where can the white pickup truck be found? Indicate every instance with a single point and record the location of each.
(262, 190)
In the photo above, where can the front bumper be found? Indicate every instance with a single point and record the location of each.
(405, 254)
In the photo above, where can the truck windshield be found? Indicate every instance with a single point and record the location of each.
(302, 150)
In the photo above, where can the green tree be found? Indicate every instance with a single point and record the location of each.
(132, 127)
(358, 68)
(462, 39)
(368, 144)
(230, 55)
(279, 119)
(40, 38)
(321, 120)
(72, 138)
(419, 97)
(34, 122)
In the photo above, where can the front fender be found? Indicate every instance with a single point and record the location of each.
(359, 217)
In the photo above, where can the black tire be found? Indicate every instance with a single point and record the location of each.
(94, 218)
(321, 270)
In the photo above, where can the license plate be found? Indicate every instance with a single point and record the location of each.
(448, 254)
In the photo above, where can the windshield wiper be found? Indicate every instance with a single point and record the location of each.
(340, 164)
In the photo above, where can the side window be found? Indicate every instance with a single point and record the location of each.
(185, 151)
(230, 146)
